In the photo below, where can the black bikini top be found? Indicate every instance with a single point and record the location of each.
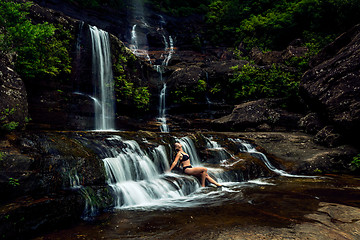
(185, 157)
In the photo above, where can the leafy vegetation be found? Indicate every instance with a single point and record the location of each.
(355, 163)
(193, 94)
(40, 52)
(14, 182)
(126, 91)
(274, 24)
(5, 124)
(251, 82)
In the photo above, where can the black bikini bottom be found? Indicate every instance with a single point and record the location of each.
(186, 168)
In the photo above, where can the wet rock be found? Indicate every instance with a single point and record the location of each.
(311, 123)
(272, 57)
(328, 137)
(332, 87)
(297, 153)
(259, 114)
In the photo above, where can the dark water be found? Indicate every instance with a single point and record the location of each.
(274, 203)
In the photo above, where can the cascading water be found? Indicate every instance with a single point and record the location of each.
(247, 147)
(162, 110)
(222, 153)
(103, 80)
(138, 180)
(138, 176)
(162, 99)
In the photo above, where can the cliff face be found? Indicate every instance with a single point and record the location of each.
(13, 97)
(332, 87)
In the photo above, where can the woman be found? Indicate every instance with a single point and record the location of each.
(184, 159)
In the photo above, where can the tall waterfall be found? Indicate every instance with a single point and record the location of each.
(103, 80)
(168, 51)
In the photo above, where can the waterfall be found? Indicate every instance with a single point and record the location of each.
(222, 153)
(189, 147)
(162, 106)
(162, 110)
(134, 42)
(103, 80)
(138, 180)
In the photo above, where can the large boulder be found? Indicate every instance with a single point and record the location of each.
(332, 87)
(263, 115)
(13, 97)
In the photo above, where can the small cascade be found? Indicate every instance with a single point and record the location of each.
(211, 144)
(247, 147)
(103, 80)
(160, 158)
(137, 180)
(74, 179)
(135, 45)
(162, 111)
(91, 205)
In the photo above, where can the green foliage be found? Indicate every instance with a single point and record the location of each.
(252, 82)
(39, 53)
(5, 124)
(14, 182)
(192, 94)
(2, 155)
(274, 24)
(127, 92)
(355, 163)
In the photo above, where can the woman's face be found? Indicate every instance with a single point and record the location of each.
(177, 146)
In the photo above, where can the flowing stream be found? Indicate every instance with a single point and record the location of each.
(103, 80)
(150, 203)
(138, 176)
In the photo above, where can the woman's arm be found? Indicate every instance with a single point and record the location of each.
(175, 161)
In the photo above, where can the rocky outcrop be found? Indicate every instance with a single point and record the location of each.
(263, 115)
(332, 87)
(272, 57)
(49, 179)
(13, 96)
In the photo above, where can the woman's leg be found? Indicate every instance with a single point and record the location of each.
(198, 171)
(210, 179)
(202, 172)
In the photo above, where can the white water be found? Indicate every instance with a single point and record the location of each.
(222, 153)
(137, 180)
(135, 45)
(162, 110)
(103, 80)
(252, 150)
(169, 50)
